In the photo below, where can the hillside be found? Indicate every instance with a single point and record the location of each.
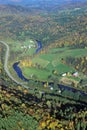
(43, 65)
(20, 23)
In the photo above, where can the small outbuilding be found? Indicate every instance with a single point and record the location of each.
(75, 74)
(64, 74)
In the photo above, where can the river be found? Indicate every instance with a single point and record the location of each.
(61, 87)
(17, 68)
(39, 44)
(19, 71)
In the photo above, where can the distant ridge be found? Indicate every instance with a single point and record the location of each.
(46, 5)
(41, 2)
(14, 9)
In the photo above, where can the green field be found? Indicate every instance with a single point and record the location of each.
(36, 73)
(44, 64)
(52, 61)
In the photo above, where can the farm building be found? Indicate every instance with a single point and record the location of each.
(75, 74)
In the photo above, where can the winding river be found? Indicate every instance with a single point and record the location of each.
(6, 66)
(20, 75)
(62, 87)
(19, 71)
(39, 44)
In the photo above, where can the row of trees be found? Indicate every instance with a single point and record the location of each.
(79, 63)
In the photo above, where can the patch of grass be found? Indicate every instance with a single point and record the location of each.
(57, 50)
(37, 73)
(40, 61)
(76, 52)
(62, 68)
(52, 61)
(46, 63)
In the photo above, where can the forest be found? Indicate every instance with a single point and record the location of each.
(48, 27)
(55, 94)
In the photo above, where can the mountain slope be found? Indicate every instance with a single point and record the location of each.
(40, 2)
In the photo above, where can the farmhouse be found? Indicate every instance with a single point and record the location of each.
(29, 46)
(64, 74)
(75, 74)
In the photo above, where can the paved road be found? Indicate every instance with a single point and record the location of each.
(6, 65)
(9, 74)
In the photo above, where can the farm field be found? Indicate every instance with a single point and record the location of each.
(41, 66)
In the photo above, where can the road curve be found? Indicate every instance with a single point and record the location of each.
(9, 74)
(6, 66)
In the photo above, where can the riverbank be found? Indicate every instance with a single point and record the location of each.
(7, 71)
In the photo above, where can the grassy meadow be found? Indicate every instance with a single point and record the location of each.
(43, 65)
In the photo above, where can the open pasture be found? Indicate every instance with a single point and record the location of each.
(34, 73)
(43, 63)
(64, 52)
